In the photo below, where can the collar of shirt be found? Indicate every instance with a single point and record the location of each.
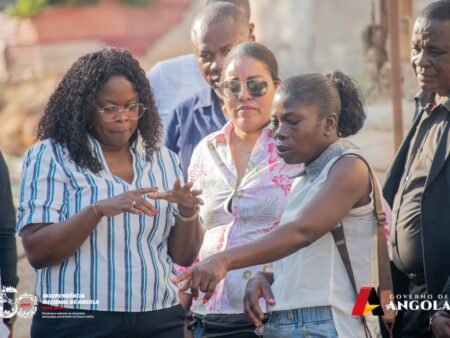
(313, 170)
(208, 98)
(224, 135)
(427, 101)
(96, 149)
(263, 153)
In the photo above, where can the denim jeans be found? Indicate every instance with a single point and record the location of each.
(301, 323)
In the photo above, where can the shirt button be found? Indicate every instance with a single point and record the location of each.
(247, 274)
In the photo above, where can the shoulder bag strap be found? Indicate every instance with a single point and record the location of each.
(339, 239)
(384, 270)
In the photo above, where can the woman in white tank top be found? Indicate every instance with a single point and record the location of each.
(309, 293)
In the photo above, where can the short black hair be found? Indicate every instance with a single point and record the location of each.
(219, 12)
(244, 5)
(70, 112)
(331, 93)
(437, 10)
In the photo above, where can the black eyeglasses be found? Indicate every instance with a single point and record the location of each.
(255, 87)
(112, 112)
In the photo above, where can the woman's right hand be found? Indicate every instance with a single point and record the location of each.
(130, 201)
(257, 287)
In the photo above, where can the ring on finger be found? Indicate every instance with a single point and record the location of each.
(133, 204)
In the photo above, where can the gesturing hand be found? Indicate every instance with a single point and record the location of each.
(130, 201)
(182, 195)
(205, 276)
(257, 287)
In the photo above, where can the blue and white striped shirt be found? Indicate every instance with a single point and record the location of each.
(124, 263)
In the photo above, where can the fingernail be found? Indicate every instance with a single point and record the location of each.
(156, 211)
(204, 301)
(139, 212)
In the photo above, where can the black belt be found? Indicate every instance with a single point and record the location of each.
(416, 278)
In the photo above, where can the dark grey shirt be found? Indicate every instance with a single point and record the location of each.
(407, 228)
(8, 253)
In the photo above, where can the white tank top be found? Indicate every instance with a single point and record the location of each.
(315, 275)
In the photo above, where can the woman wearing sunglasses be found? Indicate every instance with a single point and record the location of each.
(244, 182)
(100, 235)
(309, 291)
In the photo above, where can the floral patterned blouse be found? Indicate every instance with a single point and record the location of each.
(237, 215)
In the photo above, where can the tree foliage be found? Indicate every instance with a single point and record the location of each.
(25, 8)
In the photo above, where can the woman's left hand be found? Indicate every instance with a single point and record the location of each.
(205, 276)
(180, 194)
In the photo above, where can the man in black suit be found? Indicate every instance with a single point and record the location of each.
(417, 185)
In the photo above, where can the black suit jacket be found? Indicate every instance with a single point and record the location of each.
(435, 212)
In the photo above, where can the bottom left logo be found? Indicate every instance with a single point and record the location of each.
(25, 305)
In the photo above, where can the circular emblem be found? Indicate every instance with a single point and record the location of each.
(27, 305)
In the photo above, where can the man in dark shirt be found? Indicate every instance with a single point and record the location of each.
(8, 253)
(215, 30)
(417, 185)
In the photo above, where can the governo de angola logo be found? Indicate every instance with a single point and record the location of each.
(24, 306)
(367, 302)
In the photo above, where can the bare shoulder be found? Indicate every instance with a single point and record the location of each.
(349, 165)
(352, 172)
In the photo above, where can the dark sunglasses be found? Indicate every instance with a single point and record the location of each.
(255, 87)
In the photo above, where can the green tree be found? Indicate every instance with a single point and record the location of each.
(24, 8)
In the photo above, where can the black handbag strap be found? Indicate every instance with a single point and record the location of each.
(384, 270)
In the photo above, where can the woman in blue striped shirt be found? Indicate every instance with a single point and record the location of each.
(93, 224)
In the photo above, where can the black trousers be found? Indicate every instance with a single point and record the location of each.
(166, 323)
(413, 324)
